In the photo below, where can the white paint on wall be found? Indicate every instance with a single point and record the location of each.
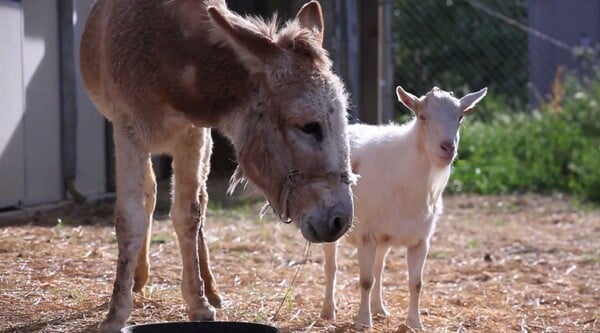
(43, 176)
(12, 175)
(91, 150)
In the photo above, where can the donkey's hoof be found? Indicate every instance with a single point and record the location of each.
(328, 314)
(215, 300)
(110, 326)
(138, 285)
(207, 314)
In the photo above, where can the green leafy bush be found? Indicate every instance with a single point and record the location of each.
(555, 149)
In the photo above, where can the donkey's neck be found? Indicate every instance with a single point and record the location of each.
(238, 125)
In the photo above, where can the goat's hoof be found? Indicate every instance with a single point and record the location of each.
(404, 329)
(363, 324)
(380, 311)
(414, 323)
(110, 326)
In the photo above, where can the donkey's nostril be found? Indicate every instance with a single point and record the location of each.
(336, 223)
(328, 228)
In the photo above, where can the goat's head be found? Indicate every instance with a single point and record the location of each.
(439, 115)
(292, 143)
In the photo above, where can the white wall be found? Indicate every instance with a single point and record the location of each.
(30, 108)
(43, 176)
(12, 159)
(91, 156)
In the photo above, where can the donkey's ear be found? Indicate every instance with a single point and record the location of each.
(468, 102)
(409, 100)
(310, 17)
(253, 49)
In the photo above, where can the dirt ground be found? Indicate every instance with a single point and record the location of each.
(497, 264)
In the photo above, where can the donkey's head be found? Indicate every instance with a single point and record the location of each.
(291, 141)
(439, 115)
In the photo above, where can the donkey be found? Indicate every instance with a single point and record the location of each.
(164, 72)
(398, 199)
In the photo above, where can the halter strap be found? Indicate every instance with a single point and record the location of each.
(296, 179)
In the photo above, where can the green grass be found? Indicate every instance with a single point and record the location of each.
(474, 244)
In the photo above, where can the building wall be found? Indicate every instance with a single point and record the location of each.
(43, 176)
(91, 148)
(572, 23)
(12, 170)
(31, 168)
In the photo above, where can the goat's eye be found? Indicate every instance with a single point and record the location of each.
(313, 129)
(460, 119)
(422, 117)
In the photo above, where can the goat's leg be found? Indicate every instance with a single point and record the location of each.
(210, 286)
(186, 214)
(366, 255)
(142, 270)
(330, 267)
(415, 259)
(376, 296)
(130, 224)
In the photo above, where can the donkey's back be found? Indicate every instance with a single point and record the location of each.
(155, 56)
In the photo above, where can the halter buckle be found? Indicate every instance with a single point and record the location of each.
(295, 178)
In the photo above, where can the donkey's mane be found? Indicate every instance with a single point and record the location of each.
(294, 37)
(291, 35)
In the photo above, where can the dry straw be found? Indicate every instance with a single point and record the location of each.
(497, 264)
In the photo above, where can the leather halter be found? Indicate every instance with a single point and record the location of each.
(296, 179)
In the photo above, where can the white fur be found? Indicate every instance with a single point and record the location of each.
(398, 198)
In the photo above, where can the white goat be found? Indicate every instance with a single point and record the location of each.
(404, 170)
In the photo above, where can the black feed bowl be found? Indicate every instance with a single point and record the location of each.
(201, 327)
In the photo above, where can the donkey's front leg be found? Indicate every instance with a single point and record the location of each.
(415, 260)
(186, 213)
(130, 224)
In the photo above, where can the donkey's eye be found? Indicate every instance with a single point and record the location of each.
(313, 129)
(422, 117)
(460, 119)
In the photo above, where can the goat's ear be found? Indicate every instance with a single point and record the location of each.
(409, 100)
(253, 49)
(468, 102)
(310, 17)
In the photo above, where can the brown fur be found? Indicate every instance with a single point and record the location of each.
(163, 72)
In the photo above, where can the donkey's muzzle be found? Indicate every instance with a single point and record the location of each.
(328, 225)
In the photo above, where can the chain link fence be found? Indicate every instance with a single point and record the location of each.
(462, 45)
